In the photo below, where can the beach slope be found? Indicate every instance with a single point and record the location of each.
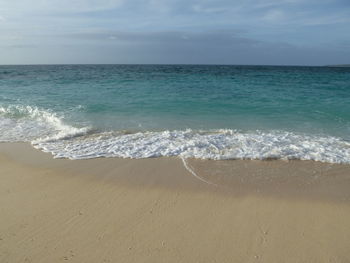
(155, 210)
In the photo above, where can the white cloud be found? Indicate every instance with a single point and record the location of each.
(58, 6)
(274, 15)
(201, 9)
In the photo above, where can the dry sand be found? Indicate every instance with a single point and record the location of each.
(154, 210)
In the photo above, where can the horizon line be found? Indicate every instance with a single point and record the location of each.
(173, 64)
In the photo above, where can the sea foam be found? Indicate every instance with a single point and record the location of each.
(48, 131)
(26, 123)
(216, 145)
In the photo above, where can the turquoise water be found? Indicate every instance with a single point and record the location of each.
(217, 112)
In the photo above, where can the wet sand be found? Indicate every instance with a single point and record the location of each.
(156, 210)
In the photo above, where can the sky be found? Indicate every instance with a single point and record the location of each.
(243, 32)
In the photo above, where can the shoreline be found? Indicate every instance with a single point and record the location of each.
(277, 178)
(155, 210)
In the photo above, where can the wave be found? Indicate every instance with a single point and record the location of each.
(216, 145)
(27, 123)
(48, 131)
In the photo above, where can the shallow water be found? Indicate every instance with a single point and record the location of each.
(211, 112)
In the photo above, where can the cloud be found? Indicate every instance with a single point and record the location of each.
(216, 38)
(178, 30)
(274, 15)
(200, 9)
(58, 6)
(20, 46)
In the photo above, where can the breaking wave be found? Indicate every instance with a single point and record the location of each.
(47, 130)
(217, 145)
(26, 123)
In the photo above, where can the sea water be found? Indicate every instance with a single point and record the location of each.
(208, 112)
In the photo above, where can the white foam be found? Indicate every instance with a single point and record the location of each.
(26, 123)
(47, 131)
(217, 145)
(188, 168)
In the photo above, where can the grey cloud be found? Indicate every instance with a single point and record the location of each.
(214, 47)
(175, 31)
(219, 37)
(21, 46)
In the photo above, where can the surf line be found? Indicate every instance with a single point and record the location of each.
(194, 174)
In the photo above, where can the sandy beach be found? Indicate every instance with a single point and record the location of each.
(156, 210)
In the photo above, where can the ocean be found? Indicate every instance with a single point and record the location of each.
(189, 111)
